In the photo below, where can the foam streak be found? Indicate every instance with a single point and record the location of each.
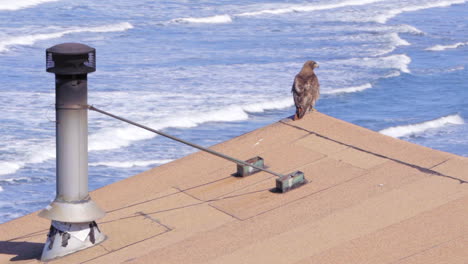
(413, 129)
(29, 40)
(353, 89)
(10, 167)
(21, 4)
(444, 47)
(118, 137)
(307, 8)
(115, 138)
(219, 19)
(226, 18)
(392, 13)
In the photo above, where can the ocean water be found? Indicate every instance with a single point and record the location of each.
(212, 70)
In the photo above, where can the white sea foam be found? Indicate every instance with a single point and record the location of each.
(130, 164)
(20, 4)
(41, 154)
(307, 8)
(395, 38)
(394, 61)
(19, 180)
(353, 89)
(228, 18)
(28, 40)
(114, 138)
(408, 130)
(1, 189)
(444, 47)
(219, 19)
(10, 167)
(37, 155)
(398, 61)
(383, 18)
(270, 105)
(409, 29)
(456, 68)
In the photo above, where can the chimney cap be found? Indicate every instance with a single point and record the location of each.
(71, 59)
(71, 49)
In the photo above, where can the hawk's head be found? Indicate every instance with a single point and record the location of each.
(312, 64)
(309, 67)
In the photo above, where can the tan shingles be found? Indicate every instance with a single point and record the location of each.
(340, 204)
(217, 242)
(453, 252)
(371, 215)
(320, 145)
(456, 167)
(184, 222)
(259, 198)
(404, 241)
(82, 256)
(358, 158)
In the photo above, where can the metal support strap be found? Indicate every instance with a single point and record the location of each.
(240, 162)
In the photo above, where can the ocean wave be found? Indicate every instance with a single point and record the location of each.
(395, 61)
(307, 8)
(413, 129)
(21, 180)
(456, 68)
(29, 40)
(270, 105)
(444, 47)
(122, 136)
(383, 18)
(37, 155)
(398, 61)
(1, 189)
(114, 138)
(397, 40)
(219, 19)
(130, 164)
(21, 4)
(10, 167)
(353, 89)
(228, 18)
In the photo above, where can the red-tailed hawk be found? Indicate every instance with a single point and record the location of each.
(305, 89)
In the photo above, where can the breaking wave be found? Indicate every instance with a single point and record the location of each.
(413, 129)
(308, 8)
(220, 19)
(21, 4)
(383, 18)
(456, 68)
(444, 47)
(114, 138)
(10, 167)
(29, 40)
(395, 61)
(130, 164)
(353, 89)
(21, 180)
(228, 18)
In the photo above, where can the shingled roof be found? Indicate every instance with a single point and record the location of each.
(370, 199)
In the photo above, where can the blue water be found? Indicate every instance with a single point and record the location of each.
(209, 71)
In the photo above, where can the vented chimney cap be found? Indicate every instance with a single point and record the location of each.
(71, 59)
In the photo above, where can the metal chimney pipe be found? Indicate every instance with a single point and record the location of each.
(73, 213)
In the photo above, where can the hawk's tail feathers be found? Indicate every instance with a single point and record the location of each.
(300, 112)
